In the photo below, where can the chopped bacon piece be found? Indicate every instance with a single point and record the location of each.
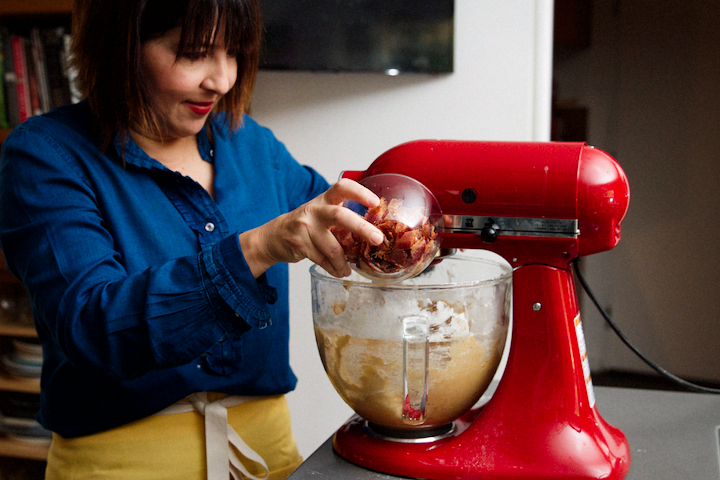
(404, 246)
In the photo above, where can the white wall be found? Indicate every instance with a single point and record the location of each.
(651, 83)
(500, 90)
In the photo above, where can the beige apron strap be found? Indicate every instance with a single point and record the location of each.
(222, 461)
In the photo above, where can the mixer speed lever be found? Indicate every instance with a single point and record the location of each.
(489, 232)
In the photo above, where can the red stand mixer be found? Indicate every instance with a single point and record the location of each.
(539, 206)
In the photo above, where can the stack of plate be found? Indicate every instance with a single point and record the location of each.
(17, 418)
(25, 360)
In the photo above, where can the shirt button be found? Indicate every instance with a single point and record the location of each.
(209, 227)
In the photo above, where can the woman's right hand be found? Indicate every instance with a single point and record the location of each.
(306, 232)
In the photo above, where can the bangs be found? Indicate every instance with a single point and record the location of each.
(200, 21)
(204, 20)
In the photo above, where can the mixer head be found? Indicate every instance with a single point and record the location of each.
(530, 202)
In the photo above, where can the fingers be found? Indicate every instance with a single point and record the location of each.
(350, 221)
(323, 246)
(309, 231)
(327, 252)
(346, 189)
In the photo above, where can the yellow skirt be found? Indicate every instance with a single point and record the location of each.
(173, 446)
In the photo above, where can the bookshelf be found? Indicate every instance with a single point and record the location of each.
(12, 329)
(33, 67)
(27, 12)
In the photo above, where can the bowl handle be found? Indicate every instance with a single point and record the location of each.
(416, 350)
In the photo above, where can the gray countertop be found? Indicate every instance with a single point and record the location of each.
(672, 435)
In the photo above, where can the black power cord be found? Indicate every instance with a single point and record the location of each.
(688, 385)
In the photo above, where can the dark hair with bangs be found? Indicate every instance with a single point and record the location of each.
(106, 51)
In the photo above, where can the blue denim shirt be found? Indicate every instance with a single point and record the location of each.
(139, 289)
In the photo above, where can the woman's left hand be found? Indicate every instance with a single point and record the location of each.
(306, 232)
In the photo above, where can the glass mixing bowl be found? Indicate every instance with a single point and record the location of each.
(416, 355)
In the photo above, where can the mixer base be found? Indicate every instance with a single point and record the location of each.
(472, 451)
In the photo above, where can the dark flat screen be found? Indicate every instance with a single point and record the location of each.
(390, 36)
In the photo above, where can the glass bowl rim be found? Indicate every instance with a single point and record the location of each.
(318, 272)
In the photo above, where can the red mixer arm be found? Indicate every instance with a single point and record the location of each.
(530, 202)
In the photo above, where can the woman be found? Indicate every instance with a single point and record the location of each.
(151, 225)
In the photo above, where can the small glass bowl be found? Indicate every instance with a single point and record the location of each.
(410, 217)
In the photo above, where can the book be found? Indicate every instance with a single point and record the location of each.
(52, 40)
(38, 56)
(11, 101)
(32, 79)
(3, 105)
(70, 71)
(22, 86)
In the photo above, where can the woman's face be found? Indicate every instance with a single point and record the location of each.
(184, 90)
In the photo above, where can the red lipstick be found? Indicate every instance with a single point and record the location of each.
(200, 108)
